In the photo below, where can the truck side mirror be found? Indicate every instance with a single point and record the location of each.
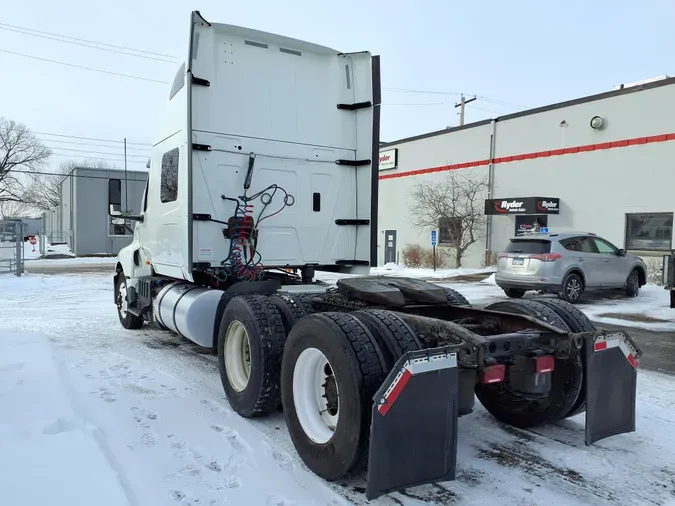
(114, 197)
(115, 202)
(622, 252)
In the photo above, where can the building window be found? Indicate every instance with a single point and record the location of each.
(119, 230)
(169, 183)
(450, 230)
(649, 231)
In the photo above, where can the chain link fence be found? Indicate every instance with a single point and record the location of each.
(11, 247)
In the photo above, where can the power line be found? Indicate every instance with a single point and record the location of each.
(84, 176)
(145, 157)
(501, 102)
(93, 139)
(93, 144)
(89, 41)
(424, 92)
(421, 104)
(64, 155)
(430, 92)
(84, 44)
(83, 67)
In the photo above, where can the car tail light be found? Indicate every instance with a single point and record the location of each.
(544, 364)
(549, 257)
(503, 255)
(493, 374)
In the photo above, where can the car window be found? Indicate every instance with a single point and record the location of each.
(529, 246)
(604, 247)
(578, 244)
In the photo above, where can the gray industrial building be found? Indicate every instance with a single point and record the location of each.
(81, 219)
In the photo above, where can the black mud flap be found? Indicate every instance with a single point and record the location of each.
(413, 434)
(611, 385)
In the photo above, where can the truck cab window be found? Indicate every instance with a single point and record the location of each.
(169, 182)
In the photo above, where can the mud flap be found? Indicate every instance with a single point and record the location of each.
(611, 385)
(413, 433)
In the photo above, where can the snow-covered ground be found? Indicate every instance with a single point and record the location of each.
(94, 414)
(392, 269)
(650, 310)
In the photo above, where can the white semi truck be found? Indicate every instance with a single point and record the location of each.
(266, 171)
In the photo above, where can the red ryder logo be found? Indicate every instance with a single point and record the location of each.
(384, 158)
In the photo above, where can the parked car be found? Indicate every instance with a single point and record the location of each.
(568, 264)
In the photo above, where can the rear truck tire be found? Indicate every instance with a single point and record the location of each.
(128, 320)
(289, 309)
(572, 288)
(514, 409)
(302, 300)
(331, 369)
(393, 335)
(250, 346)
(633, 284)
(577, 321)
(514, 293)
(456, 298)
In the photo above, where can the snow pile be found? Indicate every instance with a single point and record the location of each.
(392, 269)
(59, 249)
(388, 268)
(490, 280)
(75, 261)
(649, 310)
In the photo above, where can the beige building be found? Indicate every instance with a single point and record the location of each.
(603, 164)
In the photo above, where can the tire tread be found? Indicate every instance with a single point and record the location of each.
(272, 339)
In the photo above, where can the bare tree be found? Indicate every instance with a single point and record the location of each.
(21, 154)
(455, 207)
(44, 191)
(11, 209)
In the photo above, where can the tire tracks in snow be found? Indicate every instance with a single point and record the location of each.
(99, 435)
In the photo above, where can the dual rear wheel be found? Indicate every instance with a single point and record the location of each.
(567, 396)
(324, 369)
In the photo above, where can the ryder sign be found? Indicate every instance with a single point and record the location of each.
(523, 205)
(389, 159)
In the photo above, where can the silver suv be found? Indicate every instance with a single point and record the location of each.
(567, 264)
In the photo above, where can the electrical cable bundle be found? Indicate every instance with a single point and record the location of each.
(244, 259)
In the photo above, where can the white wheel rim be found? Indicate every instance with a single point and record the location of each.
(311, 373)
(123, 303)
(237, 356)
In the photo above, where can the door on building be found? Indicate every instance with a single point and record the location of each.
(389, 246)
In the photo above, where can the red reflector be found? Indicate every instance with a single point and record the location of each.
(493, 374)
(600, 345)
(633, 361)
(544, 364)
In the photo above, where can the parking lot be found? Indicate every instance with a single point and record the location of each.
(155, 402)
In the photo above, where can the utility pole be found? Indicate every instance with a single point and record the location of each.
(461, 105)
(126, 181)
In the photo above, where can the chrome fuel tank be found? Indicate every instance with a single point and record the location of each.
(188, 310)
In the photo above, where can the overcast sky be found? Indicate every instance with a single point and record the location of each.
(515, 53)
